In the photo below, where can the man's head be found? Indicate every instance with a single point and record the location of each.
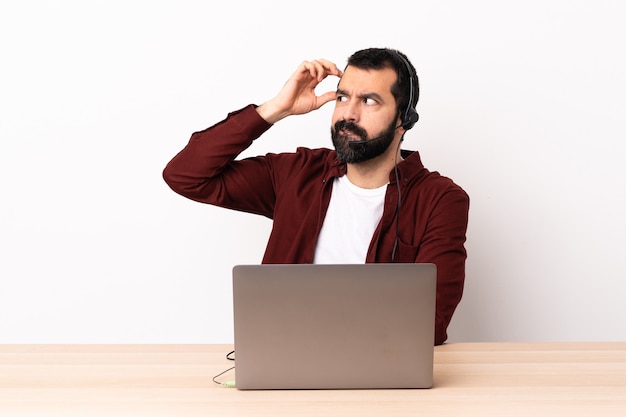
(375, 104)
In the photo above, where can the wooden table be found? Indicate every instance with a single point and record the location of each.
(471, 379)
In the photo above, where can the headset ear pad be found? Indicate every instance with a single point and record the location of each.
(410, 118)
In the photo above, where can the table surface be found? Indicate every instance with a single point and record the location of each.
(470, 379)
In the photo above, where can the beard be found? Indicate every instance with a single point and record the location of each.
(374, 147)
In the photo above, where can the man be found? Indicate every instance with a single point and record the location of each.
(365, 201)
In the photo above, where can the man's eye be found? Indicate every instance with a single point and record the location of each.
(342, 99)
(369, 101)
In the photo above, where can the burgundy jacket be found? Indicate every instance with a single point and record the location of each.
(294, 190)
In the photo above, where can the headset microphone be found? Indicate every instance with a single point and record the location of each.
(356, 143)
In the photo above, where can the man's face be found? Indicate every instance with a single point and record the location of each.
(365, 109)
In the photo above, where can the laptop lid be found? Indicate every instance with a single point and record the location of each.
(311, 326)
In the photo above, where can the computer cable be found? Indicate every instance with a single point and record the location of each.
(226, 383)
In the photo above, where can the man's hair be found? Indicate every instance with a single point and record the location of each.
(379, 58)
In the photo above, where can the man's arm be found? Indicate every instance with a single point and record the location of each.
(444, 245)
(206, 169)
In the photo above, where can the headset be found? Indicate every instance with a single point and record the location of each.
(408, 120)
(410, 116)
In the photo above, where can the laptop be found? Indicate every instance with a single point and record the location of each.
(309, 326)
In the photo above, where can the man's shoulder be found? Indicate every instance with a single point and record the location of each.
(442, 182)
(422, 177)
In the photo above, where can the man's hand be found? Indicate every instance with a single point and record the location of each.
(298, 94)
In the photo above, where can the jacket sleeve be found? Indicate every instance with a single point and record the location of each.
(444, 245)
(206, 169)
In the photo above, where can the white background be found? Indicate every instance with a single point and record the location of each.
(523, 105)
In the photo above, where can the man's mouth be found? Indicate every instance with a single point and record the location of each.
(350, 135)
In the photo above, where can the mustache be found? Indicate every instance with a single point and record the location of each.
(350, 127)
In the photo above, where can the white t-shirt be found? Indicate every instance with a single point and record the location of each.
(350, 222)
